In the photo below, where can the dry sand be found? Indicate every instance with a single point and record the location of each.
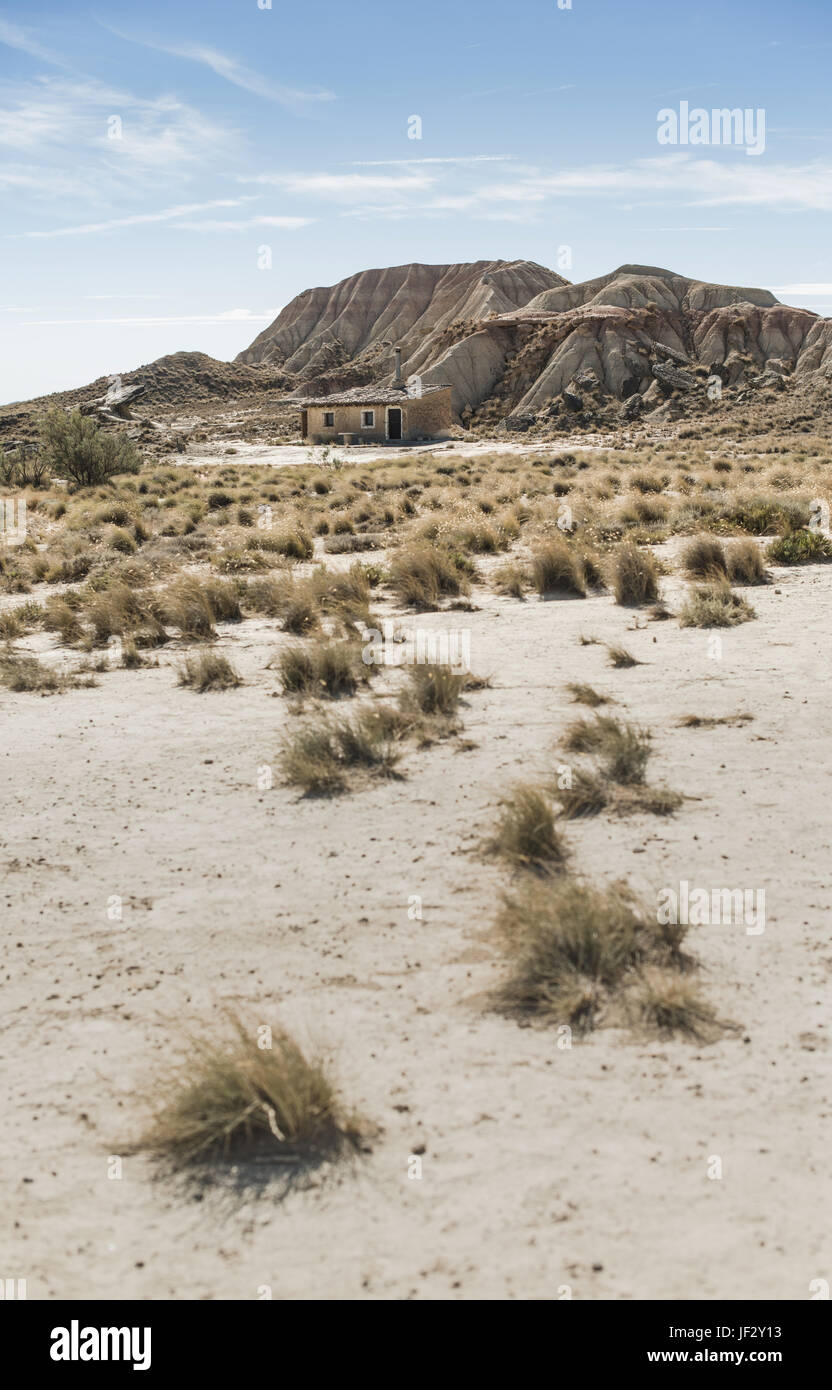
(544, 1171)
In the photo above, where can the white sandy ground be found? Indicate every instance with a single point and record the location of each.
(284, 455)
(543, 1169)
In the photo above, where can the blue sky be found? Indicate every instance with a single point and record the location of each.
(149, 152)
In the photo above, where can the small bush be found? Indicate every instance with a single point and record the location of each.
(331, 669)
(319, 755)
(583, 694)
(745, 563)
(525, 834)
(420, 575)
(620, 657)
(800, 548)
(556, 568)
(573, 948)
(624, 748)
(230, 1098)
(704, 558)
(73, 446)
(433, 690)
(715, 605)
(208, 671)
(634, 577)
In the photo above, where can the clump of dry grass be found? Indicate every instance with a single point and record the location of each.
(558, 568)
(704, 558)
(319, 755)
(208, 671)
(670, 1004)
(25, 673)
(230, 1098)
(583, 694)
(433, 689)
(634, 575)
(715, 605)
(745, 563)
(705, 721)
(526, 834)
(511, 579)
(620, 657)
(330, 669)
(575, 951)
(624, 748)
(421, 574)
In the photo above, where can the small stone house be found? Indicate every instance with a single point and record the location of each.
(377, 414)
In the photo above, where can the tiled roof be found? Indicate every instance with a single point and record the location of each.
(369, 395)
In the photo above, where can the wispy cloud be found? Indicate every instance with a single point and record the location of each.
(449, 159)
(230, 69)
(345, 186)
(244, 225)
(811, 291)
(138, 218)
(226, 316)
(13, 36)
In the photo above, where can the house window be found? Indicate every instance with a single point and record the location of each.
(329, 419)
(368, 419)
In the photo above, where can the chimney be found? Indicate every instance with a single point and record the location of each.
(397, 353)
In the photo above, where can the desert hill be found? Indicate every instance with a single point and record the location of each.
(521, 347)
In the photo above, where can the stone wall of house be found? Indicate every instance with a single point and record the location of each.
(429, 415)
(426, 416)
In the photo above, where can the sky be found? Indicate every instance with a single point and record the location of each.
(172, 174)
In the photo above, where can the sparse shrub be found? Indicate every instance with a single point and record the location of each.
(556, 568)
(715, 605)
(511, 579)
(634, 576)
(620, 657)
(668, 1003)
(230, 1098)
(525, 833)
(208, 671)
(584, 694)
(422, 574)
(433, 689)
(331, 669)
(73, 446)
(623, 747)
(705, 558)
(575, 949)
(745, 563)
(800, 548)
(319, 754)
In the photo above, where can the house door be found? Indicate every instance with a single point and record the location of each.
(304, 424)
(394, 423)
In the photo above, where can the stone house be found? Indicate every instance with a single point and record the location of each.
(378, 414)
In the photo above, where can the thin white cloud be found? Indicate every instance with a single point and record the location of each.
(138, 218)
(449, 159)
(822, 290)
(13, 36)
(345, 186)
(213, 225)
(226, 316)
(229, 69)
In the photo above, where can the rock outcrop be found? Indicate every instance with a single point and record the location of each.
(411, 306)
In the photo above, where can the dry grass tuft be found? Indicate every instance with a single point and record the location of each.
(525, 833)
(208, 671)
(634, 576)
(715, 605)
(575, 950)
(229, 1098)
